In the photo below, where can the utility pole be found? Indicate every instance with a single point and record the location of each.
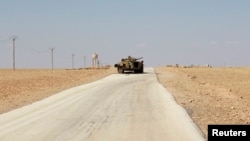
(73, 55)
(84, 61)
(52, 57)
(13, 38)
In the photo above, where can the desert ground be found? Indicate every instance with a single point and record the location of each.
(209, 95)
(120, 107)
(25, 86)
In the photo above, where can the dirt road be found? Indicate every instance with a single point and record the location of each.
(118, 107)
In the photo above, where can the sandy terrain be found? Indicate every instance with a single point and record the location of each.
(22, 87)
(210, 95)
(130, 107)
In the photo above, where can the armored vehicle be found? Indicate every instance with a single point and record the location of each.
(130, 64)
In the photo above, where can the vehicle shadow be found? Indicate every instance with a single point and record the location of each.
(132, 73)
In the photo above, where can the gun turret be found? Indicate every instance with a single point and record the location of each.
(138, 58)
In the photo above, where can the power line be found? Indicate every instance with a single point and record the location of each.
(38, 51)
(13, 38)
(73, 55)
(3, 40)
(84, 61)
(52, 58)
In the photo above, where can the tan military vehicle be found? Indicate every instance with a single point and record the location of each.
(130, 64)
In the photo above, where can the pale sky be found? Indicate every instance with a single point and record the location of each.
(163, 32)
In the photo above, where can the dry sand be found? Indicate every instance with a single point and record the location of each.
(210, 95)
(25, 86)
(130, 107)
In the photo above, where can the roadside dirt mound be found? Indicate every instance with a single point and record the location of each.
(210, 95)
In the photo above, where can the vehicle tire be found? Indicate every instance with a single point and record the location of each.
(120, 70)
(141, 70)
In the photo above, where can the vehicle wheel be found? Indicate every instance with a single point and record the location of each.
(141, 70)
(120, 70)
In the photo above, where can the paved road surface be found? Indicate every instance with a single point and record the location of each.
(120, 107)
